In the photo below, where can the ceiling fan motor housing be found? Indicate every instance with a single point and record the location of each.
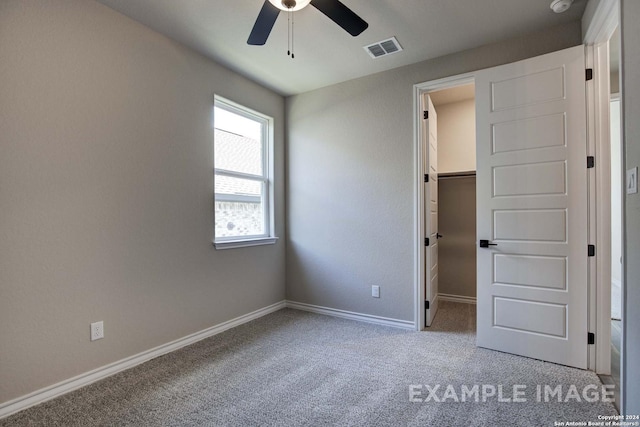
(289, 4)
(333, 9)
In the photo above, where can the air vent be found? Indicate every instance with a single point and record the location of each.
(383, 48)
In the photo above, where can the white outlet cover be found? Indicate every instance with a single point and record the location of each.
(632, 180)
(375, 291)
(97, 330)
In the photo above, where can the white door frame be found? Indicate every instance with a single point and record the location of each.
(599, 146)
(605, 19)
(419, 209)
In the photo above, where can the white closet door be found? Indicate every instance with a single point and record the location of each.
(431, 209)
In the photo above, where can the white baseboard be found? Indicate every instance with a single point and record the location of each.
(457, 298)
(53, 391)
(386, 321)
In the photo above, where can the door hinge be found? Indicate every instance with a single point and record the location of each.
(591, 162)
(426, 177)
(589, 74)
(591, 338)
(426, 307)
(591, 250)
(426, 241)
(425, 114)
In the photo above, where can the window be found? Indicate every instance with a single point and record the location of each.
(243, 176)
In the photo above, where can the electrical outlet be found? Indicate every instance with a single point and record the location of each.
(97, 330)
(375, 291)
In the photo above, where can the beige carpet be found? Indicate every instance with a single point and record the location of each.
(292, 368)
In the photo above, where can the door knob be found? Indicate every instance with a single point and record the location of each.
(486, 244)
(438, 236)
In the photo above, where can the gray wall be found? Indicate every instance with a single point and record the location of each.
(106, 193)
(350, 179)
(631, 112)
(457, 224)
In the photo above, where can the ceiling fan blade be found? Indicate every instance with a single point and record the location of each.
(264, 24)
(341, 15)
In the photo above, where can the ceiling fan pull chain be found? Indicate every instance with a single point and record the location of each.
(289, 32)
(292, 38)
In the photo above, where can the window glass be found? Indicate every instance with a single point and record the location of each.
(238, 143)
(242, 183)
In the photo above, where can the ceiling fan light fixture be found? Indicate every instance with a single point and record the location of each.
(285, 4)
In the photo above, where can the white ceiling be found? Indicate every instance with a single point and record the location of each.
(325, 53)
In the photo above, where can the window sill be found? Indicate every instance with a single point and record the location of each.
(232, 244)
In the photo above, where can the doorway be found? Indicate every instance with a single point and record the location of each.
(602, 41)
(456, 182)
(449, 149)
(428, 167)
(616, 212)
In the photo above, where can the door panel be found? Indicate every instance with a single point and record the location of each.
(532, 179)
(508, 92)
(529, 134)
(527, 270)
(530, 316)
(431, 218)
(548, 225)
(532, 202)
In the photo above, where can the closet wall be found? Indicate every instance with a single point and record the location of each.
(457, 249)
(457, 198)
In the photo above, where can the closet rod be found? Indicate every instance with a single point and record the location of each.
(457, 175)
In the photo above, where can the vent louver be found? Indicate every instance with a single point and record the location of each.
(383, 48)
(376, 50)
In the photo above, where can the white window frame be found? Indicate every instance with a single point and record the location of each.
(268, 238)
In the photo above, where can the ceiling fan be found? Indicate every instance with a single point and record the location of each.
(333, 9)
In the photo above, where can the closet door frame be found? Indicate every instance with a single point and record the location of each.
(419, 90)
